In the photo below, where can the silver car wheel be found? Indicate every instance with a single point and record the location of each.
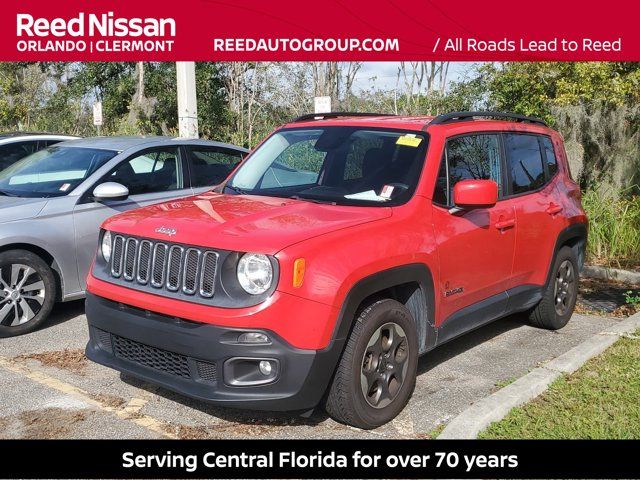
(22, 293)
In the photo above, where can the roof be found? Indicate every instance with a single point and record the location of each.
(121, 143)
(388, 121)
(6, 135)
(420, 122)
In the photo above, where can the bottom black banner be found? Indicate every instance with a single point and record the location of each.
(319, 459)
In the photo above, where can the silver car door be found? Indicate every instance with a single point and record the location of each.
(152, 176)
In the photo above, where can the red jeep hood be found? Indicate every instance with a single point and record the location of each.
(246, 223)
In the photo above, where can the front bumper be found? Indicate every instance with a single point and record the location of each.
(189, 357)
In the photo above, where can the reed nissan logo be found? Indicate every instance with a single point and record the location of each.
(93, 32)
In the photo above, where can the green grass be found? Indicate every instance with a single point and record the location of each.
(600, 400)
(614, 228)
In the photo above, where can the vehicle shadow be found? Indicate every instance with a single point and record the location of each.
(63, 312)
(292, 419)
(234, 415)
(468, 341)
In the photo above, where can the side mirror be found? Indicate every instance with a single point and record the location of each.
(468, 194)
(110, 191)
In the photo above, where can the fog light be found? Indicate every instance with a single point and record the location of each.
(265, 368)
(253, 337)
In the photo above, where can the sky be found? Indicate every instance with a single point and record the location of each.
(383, 75)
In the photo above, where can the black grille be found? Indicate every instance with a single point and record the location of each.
(152, 357)
(116, 261)
(207, 371)
(169, 267)
(191, 262)
(173, 269)
(105, 340)
(158, 265)
(207, 279)
(144, 261)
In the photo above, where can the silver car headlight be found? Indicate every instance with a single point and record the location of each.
(105, 246)
(255, 273)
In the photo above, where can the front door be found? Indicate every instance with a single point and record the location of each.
(152, 176)
(475, 247)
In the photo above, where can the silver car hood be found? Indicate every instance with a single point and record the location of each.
(20, 208)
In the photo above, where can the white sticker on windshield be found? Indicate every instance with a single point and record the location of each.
(65, 187)
(387, 191)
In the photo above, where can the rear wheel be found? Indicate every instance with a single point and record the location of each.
(559, 299)
(27, 292)
(377, 371)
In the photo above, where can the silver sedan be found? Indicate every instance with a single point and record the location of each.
(53, 202)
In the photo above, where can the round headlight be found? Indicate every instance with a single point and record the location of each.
(255, 273)
(105, 246)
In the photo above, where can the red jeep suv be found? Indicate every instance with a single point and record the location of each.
(343, 248)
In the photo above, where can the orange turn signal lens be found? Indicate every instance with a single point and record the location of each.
(298, 272)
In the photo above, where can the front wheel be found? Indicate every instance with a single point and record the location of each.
(27, 292)
(376, 374)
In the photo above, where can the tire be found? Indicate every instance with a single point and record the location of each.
(384, 334)
(559, 299)
(22, 310)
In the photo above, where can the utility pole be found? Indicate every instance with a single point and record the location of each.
(187, 102)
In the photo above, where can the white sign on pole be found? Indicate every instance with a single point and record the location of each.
(322, 104)
(97, 113)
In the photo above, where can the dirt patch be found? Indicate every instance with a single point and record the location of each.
(108, 400)
(48, 423)
(226, 430)
(67, 359)
(604, 297)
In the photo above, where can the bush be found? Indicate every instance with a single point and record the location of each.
(614, 228)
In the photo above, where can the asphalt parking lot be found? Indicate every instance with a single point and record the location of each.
(49, 390)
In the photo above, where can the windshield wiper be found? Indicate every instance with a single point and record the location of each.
(236, 190)
(313, 200)
(6, 194)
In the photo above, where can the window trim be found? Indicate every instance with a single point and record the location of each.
(543, 155)
(506, 176)
(186, 154)
(87, 197)
(446, 159)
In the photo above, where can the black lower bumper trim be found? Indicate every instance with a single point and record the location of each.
(188, 358)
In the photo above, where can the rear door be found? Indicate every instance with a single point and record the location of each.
(531, 167)
(475, 247)
(10, 153)
(152, 176)
(210, 166)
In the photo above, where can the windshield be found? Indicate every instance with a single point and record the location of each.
(342, 165)
(52, 172)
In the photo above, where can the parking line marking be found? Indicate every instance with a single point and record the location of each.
(130, 412)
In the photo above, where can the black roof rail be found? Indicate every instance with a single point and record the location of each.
(323, 116)
(460, 116)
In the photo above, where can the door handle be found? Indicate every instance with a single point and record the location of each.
(504, 224)
(554, 209)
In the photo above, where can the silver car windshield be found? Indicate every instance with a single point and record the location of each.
(52, 172)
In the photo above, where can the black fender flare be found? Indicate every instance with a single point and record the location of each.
(386, 279)
(575, 231)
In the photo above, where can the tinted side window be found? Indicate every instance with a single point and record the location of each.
(469, 157)
(524, 161)
(210, 166)
(12, 152)
(552, 163)
(150, 172)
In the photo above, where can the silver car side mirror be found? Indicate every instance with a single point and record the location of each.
(110, 191)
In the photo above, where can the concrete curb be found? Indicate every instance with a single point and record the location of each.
(495, 407)
(606, 273)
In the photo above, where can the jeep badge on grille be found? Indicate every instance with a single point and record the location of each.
(167, 231)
